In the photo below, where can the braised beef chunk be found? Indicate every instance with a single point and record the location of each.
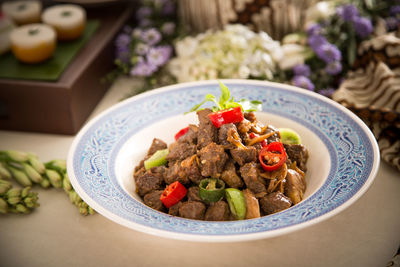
(244, 155)
(152, 200)
(192, 210)
(175, 173)
(258, 147)
(212, 160)
(190, 168)
(275, 137)
(274, 202)
(252, 180)
(193, 194)
(298, 154)
(159, 169)
(223, 135)
(230, 177)
(191, 135)
(180, 151)
(139, 171)
(148, 182)
(174, 210)
(207, 133)
(157, 144)
(218, 211)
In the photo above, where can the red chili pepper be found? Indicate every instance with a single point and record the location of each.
(181, 133)
(230, 115)
(263, 142)
(272, 156)
(173, 194)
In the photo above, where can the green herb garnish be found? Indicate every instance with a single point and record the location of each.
(225, 101)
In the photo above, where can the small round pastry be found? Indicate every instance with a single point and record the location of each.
(23, 12)
(68, 20)
(33, 43)
(6, 26)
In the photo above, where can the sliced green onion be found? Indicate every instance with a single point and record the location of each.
(289, 136)
(211, 189)
(237, 202)
(157, 159)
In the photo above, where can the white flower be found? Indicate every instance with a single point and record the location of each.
(235, 52)
(321, 10)
(186, 47)
(293, 54)
(244, 72)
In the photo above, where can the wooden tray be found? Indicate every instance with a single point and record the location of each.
(62, 106)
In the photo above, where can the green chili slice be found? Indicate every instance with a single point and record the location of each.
(237, 203)
(157, 159)
(211, 189)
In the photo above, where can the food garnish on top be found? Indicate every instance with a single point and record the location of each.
(229, 166)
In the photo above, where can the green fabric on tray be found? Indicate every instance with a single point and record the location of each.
(51, 69)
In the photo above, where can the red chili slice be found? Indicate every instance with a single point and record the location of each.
(181, 133)
(230, 115)
(173, 194)
(272, 156)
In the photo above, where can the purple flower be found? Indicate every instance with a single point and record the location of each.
(327, 92)
(394, 10)
(143, 69)
(303, 82)
(127, 29)
(301, 70)
(314, 29)
(151, 36)
(315, 41)
(391, 23)
(333, 68)
(328, 53)
(159, 55)
(168, 8)
(141, 49)
(348, 12)
(168, 28)
(145, 23)
(363, 26)
(122, 41)
(143, 12)
(123, 54)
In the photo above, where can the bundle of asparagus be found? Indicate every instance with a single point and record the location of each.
(28, 170)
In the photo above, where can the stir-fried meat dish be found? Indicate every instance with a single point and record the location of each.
(237, 170)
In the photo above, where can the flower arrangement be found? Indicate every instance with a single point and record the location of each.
(334, 39)
(144, 50)
(234, 52)
(316, 59)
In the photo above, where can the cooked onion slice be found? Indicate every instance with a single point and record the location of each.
(252, 205)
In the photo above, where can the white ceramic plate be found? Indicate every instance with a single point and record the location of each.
(344, 157)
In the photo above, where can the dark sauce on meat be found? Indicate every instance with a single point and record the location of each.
(209, 152)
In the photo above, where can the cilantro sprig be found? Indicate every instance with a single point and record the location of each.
(225, 101)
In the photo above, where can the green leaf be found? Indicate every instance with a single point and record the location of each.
(225, 101)
(209, 97)
(249, 106)
(225, 95)
(232, 105)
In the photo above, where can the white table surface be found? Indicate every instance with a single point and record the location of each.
(55, 234)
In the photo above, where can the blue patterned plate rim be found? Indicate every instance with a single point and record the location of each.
(351, 146)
